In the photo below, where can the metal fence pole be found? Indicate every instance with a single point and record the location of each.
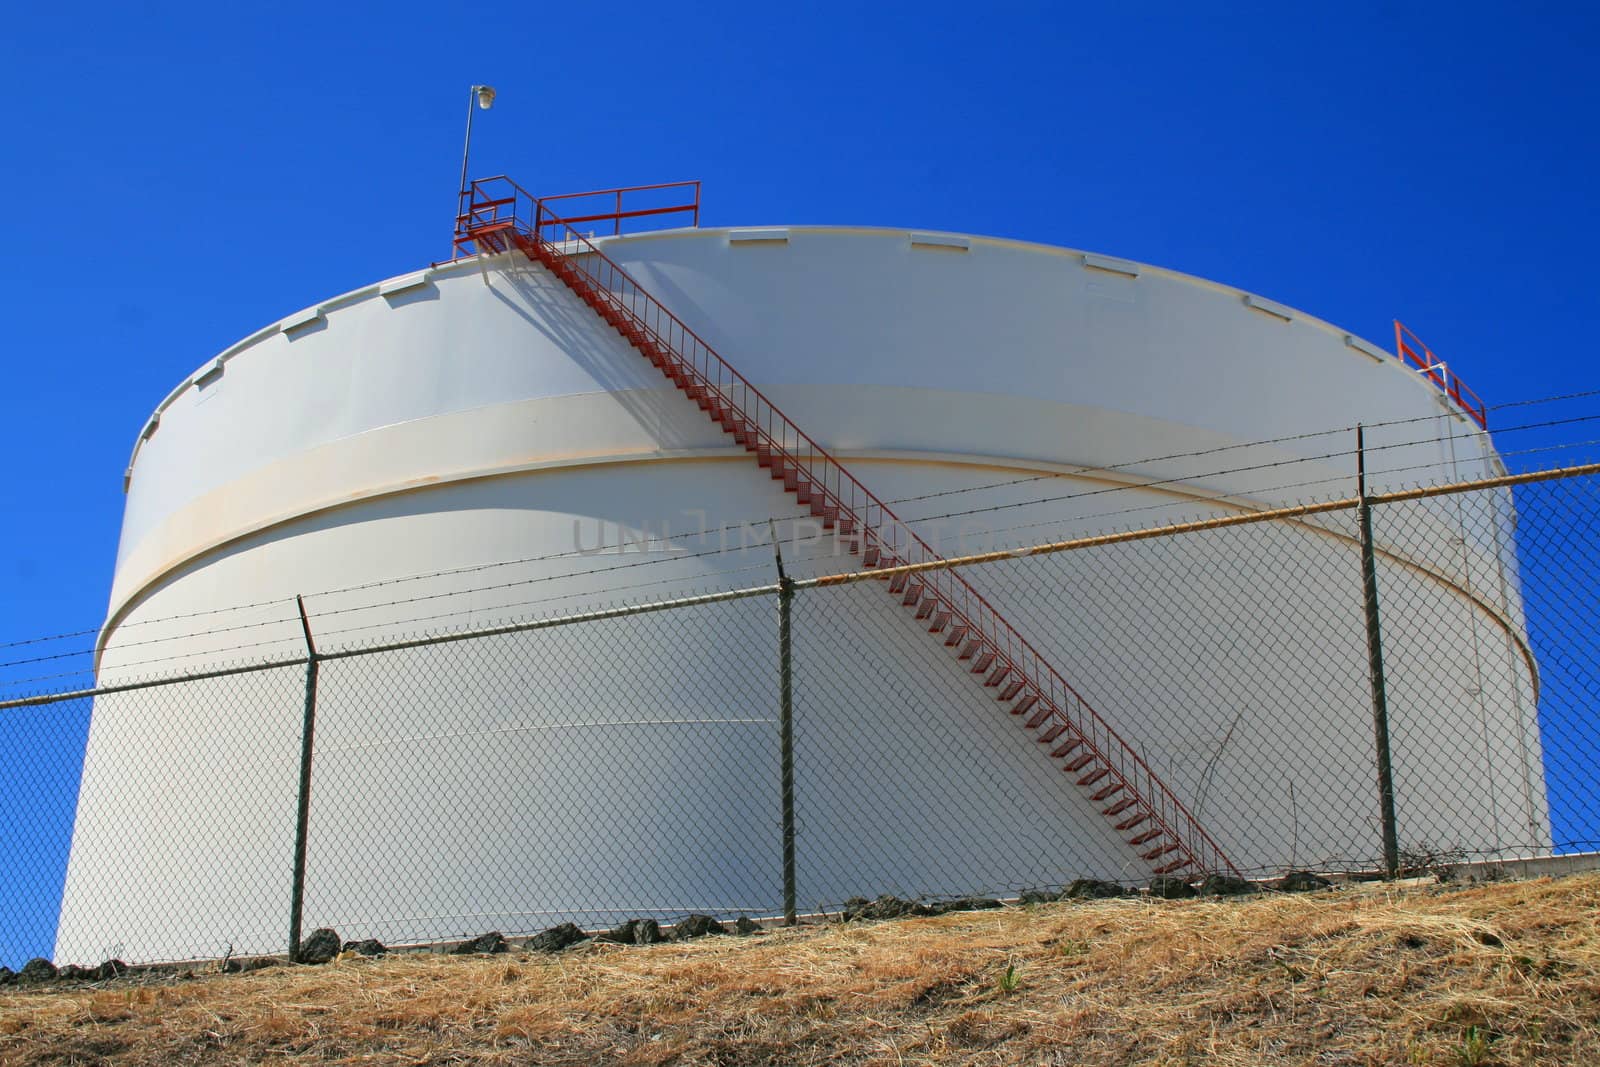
(308, 730)
(786, 730)
(1380, 700)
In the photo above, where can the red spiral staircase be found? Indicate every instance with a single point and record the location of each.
(497, 215)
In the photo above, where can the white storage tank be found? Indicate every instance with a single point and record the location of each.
(448, 421)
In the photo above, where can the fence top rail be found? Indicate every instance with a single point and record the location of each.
(842, 578)
(1244, 518)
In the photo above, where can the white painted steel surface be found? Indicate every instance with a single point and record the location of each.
(479, 413)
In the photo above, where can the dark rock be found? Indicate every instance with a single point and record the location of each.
(37, 970)
(1226, 885)
(7, 976)
(1092, 889)
(74, 973)
(744, 926)
(1169, 888)
(1038, 896)
(370, 947)
(1301, 882)
(246, 964)
(555, 939)
(322, 946)
(634, 932)
(885, 907)
(944, 907)
(697, 926)
(110, 969)
(486, 944)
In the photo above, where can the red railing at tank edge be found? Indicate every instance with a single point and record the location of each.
(1436, 371)
(502, 217)
(490, 205)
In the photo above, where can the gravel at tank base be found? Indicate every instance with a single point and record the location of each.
(247, 964)
(697, 926)
(1169, 888)
(634, 932)
(1226, 885)
(369, 947)
(892, 907)
(885, 907)
(484, 944)
(321, 946)
(945, 907)
(1093, 889)
(37, 970)
(556, 938)
(1301, 882)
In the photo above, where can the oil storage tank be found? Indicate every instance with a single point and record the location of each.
(482, 439)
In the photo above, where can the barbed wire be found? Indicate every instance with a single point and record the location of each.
(398, 624)
(740, 527)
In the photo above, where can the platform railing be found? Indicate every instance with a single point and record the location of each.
(490, 206)
(1410, 350)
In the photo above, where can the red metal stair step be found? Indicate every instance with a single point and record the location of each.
(1106, 791)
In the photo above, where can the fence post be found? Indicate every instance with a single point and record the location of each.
(786, 729)
(1380, 699)
(308, 730)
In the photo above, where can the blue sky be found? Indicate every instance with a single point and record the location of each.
(182, 174)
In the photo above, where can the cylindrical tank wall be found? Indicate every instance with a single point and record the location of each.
(480, 413)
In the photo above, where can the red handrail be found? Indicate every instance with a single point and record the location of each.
(1438, 372)
(479, 211)
(488, 226)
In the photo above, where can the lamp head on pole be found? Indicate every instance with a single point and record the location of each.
(485, 96)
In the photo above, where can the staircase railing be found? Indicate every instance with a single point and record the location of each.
(857, 513)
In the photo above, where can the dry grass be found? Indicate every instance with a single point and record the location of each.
(1504, 973)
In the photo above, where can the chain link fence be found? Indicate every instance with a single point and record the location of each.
(787, 747)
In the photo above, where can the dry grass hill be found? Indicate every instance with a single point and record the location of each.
(1499, 973)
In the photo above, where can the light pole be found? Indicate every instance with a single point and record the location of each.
(483, 96)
